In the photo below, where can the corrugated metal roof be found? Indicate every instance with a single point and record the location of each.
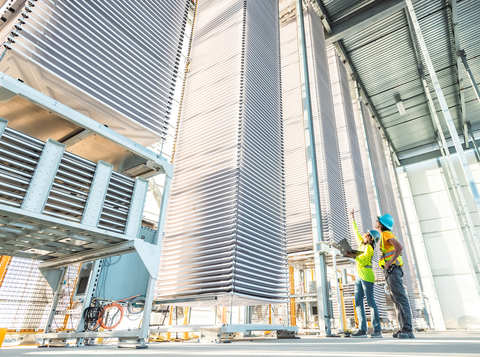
(338, 10)
(384, 57)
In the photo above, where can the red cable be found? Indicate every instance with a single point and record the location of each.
(100, 320)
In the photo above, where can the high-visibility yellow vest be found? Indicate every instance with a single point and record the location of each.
(387, 254)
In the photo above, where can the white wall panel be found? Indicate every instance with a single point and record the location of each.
(445, 253)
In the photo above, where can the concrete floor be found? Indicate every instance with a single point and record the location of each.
(426, 344)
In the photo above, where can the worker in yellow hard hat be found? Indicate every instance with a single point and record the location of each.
(365, 281)
(391, 262)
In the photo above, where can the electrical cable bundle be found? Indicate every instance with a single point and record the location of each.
(103, 323)
(96, 316)
(91, 317)
(134, 307)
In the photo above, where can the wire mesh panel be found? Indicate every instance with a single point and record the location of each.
(226, 226)
(25, 297)
(125, 54)
(332, 196)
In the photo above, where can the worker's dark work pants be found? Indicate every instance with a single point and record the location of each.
(365, 288)
(399, 297)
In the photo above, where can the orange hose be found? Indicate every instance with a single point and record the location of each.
(100, 320)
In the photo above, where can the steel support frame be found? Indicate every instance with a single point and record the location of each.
(337, 289)
(458, 66)
(420, 69)
(43, 177)
(454, 135)
(89, 295)
(363, 18)
(475, 147)
(57, 282)
(463, 57)
(151, 259)
(10, 87)
(97, 194)
(324, 323)
(134, 218)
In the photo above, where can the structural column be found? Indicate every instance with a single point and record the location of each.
(315, 208)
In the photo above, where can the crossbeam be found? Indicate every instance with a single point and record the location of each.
(363, 18)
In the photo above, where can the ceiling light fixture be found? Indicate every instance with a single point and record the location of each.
(401, 108)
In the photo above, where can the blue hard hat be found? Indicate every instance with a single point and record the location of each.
(375, 235)
(387, 221)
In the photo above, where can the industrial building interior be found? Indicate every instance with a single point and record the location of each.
(184, 171)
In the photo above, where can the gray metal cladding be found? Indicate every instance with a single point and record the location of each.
(225, 233)
(388, 200)
(351, 160)
(299, 226)
(124, 53)
(332, 196)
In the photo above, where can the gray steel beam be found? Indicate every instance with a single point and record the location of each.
(134, 218)
(448, 117)
(322, 14)
(364, 18)
(10, 87)
(420, 68)
(458, 66)
(315, 208)
(43, 177)
(57, 282)
(3, 125)
(96, 196)
(475, 146)
(343, 54)
(76, 138)
(470, 74)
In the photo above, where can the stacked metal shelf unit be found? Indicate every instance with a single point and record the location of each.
(352, 167)
(334, 214)
(101, 55)
(225, 237)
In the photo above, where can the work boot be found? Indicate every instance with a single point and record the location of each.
(359, 334)
(395, 334)
(406, 334)
(376, 334)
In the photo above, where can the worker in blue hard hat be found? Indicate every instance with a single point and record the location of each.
(365, 281)
(391, 262)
